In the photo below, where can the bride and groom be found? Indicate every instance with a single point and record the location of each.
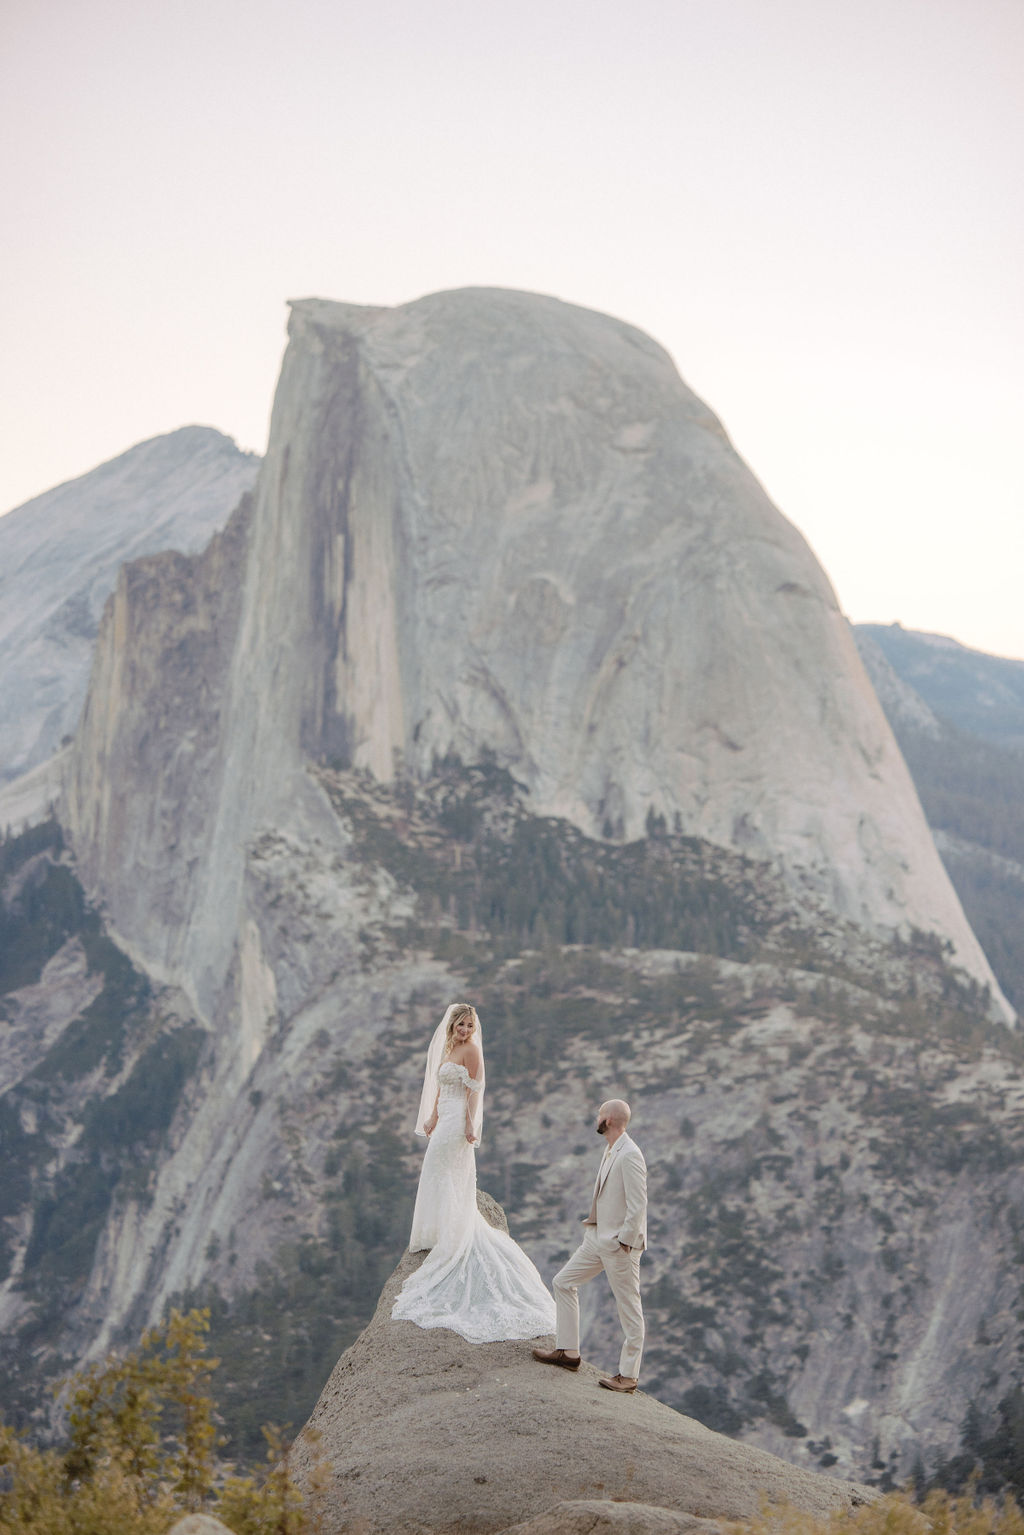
(475, 1279)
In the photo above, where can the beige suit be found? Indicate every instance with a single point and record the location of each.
(617, 1219)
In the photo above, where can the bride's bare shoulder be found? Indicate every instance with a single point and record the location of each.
(472, 1060)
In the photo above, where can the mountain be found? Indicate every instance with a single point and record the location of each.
(970, 779)
(980, 694)
(507, 681)
(489, 521)
(59, 557)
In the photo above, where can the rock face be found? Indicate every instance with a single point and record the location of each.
(601, 1516)
(164, 651)
(59, 556)
(421, 1431)
(493, 522)
(199, 1524)
(30, 798)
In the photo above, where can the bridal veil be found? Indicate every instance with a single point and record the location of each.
(435, 1058)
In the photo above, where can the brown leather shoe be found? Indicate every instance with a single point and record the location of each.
(617, 1382)
(556, 1356)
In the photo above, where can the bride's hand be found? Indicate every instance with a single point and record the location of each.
(431, 1124)
(470, 1134)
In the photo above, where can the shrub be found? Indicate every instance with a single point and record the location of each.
(895, 1514)
(141, 1450)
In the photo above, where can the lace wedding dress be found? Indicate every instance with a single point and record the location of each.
(475, 1280)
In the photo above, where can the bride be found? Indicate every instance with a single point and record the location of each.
(475, 1279)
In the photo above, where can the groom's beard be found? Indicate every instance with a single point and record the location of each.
(602, 1127)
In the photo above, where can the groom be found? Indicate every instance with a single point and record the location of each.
(615, 1234)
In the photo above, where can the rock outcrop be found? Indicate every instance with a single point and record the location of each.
(199, 1524)
(602, 1516)
(492, 522)
(59, 557)
(423, 1432)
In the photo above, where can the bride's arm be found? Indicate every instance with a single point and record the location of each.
(431, 1124)
(473, 1064)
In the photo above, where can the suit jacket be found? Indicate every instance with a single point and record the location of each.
(619, 1206)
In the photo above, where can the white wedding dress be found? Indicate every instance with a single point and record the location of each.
(474, 1280)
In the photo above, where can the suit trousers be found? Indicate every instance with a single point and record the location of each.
(623, 1270)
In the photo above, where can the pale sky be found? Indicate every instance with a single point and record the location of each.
(815, 205)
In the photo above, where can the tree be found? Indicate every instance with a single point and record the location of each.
(141, 1450)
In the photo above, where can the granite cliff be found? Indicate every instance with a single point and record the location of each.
(490, 521)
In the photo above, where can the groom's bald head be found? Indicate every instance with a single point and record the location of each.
(615, 1112)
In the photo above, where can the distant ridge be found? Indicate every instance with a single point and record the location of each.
(59, 558)
(977, 692)
(958, 715)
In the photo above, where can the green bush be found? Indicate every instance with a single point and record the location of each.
(141, 1450)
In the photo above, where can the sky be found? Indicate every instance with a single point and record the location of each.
(815, 205)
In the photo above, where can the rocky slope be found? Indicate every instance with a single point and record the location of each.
(420, 1431)
(59, 557)
(835, 1133)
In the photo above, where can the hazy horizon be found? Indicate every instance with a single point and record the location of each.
(814, 207)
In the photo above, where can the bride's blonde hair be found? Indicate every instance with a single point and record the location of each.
(462, 1012)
